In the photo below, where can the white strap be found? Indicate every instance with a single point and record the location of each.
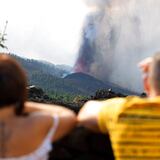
(54, 127)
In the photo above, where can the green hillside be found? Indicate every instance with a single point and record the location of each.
(50, 78)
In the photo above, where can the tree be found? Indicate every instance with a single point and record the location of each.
(2, 37)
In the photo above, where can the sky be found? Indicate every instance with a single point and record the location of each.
(48, 30)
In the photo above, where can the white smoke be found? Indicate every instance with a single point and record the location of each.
(126, 32)
(97, 3)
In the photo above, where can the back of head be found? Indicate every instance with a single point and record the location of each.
(155, 73)
(12, 84)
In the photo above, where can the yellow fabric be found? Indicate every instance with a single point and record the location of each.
(133, 124)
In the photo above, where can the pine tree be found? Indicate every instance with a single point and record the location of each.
(3, 37)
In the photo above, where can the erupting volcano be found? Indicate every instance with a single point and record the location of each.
(87, 49)
(115, 37)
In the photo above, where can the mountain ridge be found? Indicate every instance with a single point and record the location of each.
(50, 79)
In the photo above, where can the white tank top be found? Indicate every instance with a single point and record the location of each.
(41, 153)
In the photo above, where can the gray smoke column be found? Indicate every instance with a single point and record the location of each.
(117, 34)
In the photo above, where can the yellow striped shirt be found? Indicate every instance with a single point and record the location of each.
(133, 124)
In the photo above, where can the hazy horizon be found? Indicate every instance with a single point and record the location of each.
(44, 29)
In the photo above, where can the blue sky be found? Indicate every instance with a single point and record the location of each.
(44, 29)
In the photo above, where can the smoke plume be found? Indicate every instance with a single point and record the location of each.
(117, 34)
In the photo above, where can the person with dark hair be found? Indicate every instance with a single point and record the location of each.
(133, 123)
(27, 129)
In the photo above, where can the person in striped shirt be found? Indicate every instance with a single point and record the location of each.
(133, 123)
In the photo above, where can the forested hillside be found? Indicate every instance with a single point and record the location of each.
(50, 78)
(31, 66)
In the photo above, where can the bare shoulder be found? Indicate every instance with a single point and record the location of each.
(66, 122)
(41, 122)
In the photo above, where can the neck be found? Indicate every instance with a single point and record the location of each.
(7, 113)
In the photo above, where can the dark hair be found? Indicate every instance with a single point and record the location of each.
(155, 72)
(13, 84)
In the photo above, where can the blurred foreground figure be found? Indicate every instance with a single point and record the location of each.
(27, 129)
(132, 123)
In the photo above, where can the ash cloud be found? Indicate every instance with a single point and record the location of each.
(116, 36)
